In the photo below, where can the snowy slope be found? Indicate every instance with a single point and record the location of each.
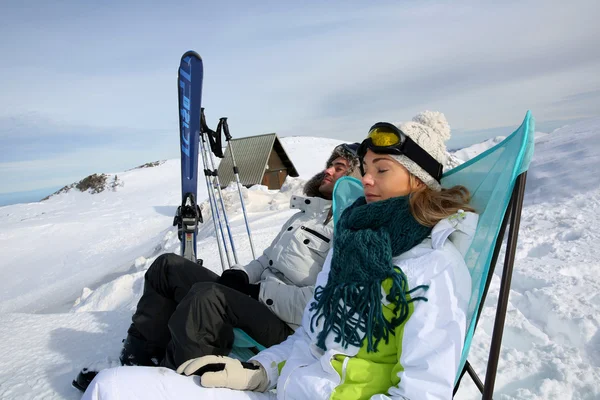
(85, 271)
(551, 342)
(77, 239)
(566, 163)
(469, 152)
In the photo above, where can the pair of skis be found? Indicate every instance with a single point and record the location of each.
(195, 137)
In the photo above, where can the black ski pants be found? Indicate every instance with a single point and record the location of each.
(184, 313)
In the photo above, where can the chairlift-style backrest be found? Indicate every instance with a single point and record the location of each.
(490, 177)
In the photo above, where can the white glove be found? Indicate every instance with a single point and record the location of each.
(225, 372)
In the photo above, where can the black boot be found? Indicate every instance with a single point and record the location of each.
(136, 351)
(84, 378)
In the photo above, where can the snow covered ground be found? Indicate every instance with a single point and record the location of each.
(72, 270)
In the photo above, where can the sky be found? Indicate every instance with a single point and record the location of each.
(90, 87)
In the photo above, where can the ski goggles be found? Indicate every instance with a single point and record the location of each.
(350, 147)
(385, 138)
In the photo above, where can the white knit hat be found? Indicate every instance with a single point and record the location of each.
(430, 130)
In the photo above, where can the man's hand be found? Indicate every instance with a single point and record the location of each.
(225, 372)
(238, 280)
(234, 278)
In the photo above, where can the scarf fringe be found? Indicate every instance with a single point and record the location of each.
(360, 311)
(367, 238)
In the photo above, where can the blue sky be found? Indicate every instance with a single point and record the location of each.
(91, 86)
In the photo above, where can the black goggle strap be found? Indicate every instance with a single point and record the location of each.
(423, 159)
(408, 148)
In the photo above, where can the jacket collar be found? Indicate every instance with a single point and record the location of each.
(459, 228)
(310, 204)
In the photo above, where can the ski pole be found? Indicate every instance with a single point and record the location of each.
(212, 144)
(213, 208)
(219, 212)
(218, 186)
(223, 121)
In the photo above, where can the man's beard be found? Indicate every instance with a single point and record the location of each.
(312, 188)
(326, 189)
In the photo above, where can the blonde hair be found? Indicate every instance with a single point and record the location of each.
(430, 207)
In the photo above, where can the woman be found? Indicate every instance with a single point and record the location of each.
(388, 316)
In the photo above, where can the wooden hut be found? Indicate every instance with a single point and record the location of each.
(261, 160)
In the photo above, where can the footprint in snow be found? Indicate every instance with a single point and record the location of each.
(540, 250)
(570, 235)
(596, 299)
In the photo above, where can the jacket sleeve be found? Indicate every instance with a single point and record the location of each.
(431, 342)
(286, 301)
(255, 268)
(273, 358)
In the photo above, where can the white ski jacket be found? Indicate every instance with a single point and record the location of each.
(288, 268)
(421, 359)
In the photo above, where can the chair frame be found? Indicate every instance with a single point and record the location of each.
(512, 214)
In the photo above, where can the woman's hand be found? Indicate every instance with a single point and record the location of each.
(225, 372)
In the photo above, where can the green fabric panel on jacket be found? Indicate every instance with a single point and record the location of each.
(280, 367)
(368, 374)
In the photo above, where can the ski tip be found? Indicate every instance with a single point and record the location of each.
(191, 53)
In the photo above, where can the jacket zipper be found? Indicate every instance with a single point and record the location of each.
(317, 234)
(344, 368)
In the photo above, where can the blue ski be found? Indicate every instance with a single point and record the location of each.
(189, 84)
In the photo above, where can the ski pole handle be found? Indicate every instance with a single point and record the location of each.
(225, 128)
(203, 125)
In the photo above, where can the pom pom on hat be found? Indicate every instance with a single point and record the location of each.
(436, 121)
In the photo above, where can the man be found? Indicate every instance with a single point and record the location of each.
(187, 311)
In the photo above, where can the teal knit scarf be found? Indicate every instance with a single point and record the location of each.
(366, 238)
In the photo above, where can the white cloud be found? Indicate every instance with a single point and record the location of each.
(319, 70)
